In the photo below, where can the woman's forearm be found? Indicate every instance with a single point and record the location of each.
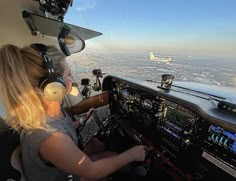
(106, 166)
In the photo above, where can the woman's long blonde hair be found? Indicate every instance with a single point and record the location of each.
(20, 73)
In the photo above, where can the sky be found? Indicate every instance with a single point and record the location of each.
(188, 27)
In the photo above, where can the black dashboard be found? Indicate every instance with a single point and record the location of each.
(188, 136)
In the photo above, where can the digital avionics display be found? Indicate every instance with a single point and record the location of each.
(176, 117)
(222, 138)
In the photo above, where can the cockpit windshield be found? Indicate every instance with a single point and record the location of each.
(193, 40)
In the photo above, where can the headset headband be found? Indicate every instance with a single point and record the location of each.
(42, 49)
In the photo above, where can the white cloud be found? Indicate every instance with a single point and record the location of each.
(84, 5)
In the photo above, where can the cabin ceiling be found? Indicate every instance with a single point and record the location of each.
(13, 27)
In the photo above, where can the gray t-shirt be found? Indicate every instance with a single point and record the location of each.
(35, 168)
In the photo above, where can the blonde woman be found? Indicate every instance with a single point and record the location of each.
(49, 148)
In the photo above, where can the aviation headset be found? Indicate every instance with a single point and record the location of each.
(53, 86)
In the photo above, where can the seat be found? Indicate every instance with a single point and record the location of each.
(10, 164)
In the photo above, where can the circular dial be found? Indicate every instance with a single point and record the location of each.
(147, 104)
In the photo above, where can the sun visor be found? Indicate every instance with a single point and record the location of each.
(70, 37)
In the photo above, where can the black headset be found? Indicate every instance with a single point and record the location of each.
(53, 86)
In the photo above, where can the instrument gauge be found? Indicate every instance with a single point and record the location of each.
(147, 104)
(137, 98)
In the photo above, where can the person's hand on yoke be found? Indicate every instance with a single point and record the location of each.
(81, 121)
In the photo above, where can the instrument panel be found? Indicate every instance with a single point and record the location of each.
(174, 125)
(176, 129)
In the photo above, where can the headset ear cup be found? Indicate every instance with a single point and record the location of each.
(53, 91)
